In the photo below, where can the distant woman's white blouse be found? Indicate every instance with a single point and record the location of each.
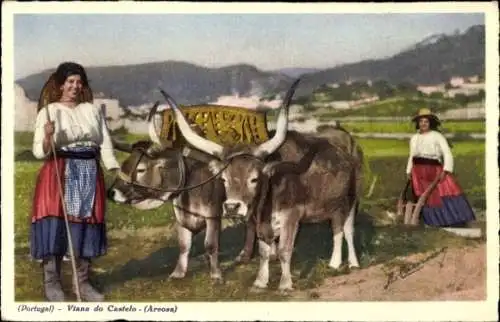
(82, 125)
(430, 145)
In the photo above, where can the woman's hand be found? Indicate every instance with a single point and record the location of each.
(49, 129)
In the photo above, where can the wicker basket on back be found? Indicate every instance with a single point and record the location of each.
(226, 125)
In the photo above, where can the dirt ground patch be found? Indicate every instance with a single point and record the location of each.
(457, 274)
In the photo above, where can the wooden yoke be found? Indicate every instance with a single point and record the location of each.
(226, 125)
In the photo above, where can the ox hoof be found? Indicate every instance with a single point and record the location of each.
(354, 267)
(334, 265)
(177, 275)
(242, 258)
(257, 289)
(285, 287)
(260, 285)
(285, 292)
(218, 281)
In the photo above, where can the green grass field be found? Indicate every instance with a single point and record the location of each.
(398, 106)
(143, 247)
(399, 127)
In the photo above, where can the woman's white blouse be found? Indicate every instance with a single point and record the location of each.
(430, 145)
(81, 125)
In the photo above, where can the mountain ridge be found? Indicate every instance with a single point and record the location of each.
(426, 62)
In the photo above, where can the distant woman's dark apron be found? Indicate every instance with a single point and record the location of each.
(48, 230)
(447, 204)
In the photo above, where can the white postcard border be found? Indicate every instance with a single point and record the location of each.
(207, 311)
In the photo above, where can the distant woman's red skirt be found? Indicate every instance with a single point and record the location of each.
(48, 230)
(447, 204)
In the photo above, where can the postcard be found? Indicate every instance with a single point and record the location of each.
(250, 161)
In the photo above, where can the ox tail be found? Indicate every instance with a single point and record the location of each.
(352, 142)
(359, 168)
(362, 165)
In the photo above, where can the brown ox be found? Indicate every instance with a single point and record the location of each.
(153, 175)
(291, 178)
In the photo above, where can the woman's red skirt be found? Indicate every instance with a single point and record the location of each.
(48, 230)
(447, 204)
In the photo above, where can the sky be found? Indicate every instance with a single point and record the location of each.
(268, 41)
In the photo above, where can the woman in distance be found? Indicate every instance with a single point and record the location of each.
(79, 132)
(430, 157)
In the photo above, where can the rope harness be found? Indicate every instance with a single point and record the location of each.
(181, 166)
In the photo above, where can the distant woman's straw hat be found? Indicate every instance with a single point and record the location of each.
(425, 112)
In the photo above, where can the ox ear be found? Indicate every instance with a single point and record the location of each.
(267, 148)
(215, 166)
(122, 146)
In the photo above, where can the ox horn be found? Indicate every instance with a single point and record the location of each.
(189, 134)
(273, 144)
(152, 129)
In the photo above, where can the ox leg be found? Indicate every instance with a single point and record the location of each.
(338, 238)
(212, 248)
(274, 252)
(184, 237)
(349, 236)
(247, 251)
(263, 275)
(288, 232)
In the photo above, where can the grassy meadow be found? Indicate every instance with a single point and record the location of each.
(407, 127)
(399, 106)
(143, 248)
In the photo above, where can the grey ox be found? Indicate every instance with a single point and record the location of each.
(153, 175)
(288, 179)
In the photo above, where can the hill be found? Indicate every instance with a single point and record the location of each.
(427, 62)
(188, 83)
(433, 60)
(297, 72)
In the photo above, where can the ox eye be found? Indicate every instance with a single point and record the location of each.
(141, 170)
(254, 180)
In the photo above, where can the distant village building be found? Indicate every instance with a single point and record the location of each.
(457, 81)
(429, 89)
(340, 105)
(473, 79)
(466, 89)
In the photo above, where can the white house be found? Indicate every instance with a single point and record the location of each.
(24, 110)
(457, 81)
(429, 89)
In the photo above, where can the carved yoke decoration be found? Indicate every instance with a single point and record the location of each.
(226, 125)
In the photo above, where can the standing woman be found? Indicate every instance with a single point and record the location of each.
(430, 157)
(81, 138)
